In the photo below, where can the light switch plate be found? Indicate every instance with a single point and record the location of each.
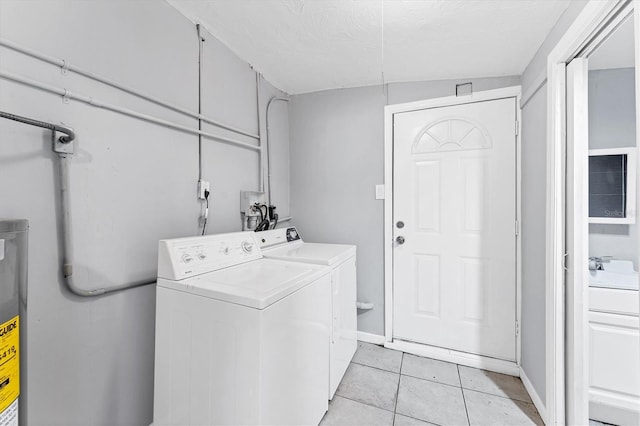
(379, 192)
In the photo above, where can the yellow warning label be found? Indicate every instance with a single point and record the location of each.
(9, 362)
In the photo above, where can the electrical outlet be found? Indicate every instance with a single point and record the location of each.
(203, 186)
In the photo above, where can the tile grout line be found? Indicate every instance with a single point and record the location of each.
(377, 368)
(432, 381)
(395, 406)
(430, 423)
(464, 399)
(364, 403)
(499, 396)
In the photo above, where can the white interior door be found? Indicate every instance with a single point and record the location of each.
(454, 190)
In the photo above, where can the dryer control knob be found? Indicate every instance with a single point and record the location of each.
(247, 246)
(186, 258)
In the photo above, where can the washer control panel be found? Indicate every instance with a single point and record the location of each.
(187, 257)
(278, 237)
(292, 235)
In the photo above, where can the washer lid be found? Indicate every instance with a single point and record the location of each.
(321, 254)
(256, 284)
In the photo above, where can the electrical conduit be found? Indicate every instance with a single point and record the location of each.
(268, 146)
(96, 103)
(64, 161)
(64, 65)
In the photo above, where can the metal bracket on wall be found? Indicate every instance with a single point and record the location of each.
(65, 96)
(63, 147)
(64, 68)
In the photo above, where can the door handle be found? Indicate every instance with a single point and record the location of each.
(400, 240)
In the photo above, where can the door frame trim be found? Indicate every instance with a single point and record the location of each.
(587, 26)
(389, 111)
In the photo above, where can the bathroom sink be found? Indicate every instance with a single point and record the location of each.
(616, 274)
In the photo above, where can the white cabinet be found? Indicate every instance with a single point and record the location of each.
(344, 322)
(614, 376)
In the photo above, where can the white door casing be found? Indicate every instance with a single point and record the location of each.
(454, 187)
(576, 242)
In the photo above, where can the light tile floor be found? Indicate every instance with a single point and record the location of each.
(387, 387)
(597, 423)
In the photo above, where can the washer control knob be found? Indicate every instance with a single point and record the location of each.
(187, 258)
(247, 246)
(202, 255)
(224, 250)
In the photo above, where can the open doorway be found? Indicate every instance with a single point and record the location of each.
(592, 296)
(614, 343)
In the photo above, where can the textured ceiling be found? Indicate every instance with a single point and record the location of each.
(309, 45)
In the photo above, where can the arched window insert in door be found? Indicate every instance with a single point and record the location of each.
(451, 134)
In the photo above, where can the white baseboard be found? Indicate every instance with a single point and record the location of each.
(376, 339)
(613, 408)
(542, 410)
(456, 357)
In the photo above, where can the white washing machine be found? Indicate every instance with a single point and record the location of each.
(240, 339)
(286, 244)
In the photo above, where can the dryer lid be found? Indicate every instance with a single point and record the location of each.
(321, 254)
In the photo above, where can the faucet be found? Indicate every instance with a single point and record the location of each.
(595, 263)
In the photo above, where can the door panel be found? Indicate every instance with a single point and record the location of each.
(455, 189)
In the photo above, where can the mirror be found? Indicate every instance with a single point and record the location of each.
(612, 176)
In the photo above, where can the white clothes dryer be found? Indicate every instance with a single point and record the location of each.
(240, 339)
(286, 244)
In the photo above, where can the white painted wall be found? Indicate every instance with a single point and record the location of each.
(336, 161)
(534, 134)
(337, 154)
(612, 124)
(534, 127)
(90, 361)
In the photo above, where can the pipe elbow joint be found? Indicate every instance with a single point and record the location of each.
(67, 270)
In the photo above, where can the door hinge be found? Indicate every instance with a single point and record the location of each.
(565, 261)
(517, 328)
(517, 127)
(517, 228)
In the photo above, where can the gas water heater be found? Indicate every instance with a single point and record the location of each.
(13, 309)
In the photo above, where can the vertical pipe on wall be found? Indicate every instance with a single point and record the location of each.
(261, 156)
(200, 40)
(268, 146)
